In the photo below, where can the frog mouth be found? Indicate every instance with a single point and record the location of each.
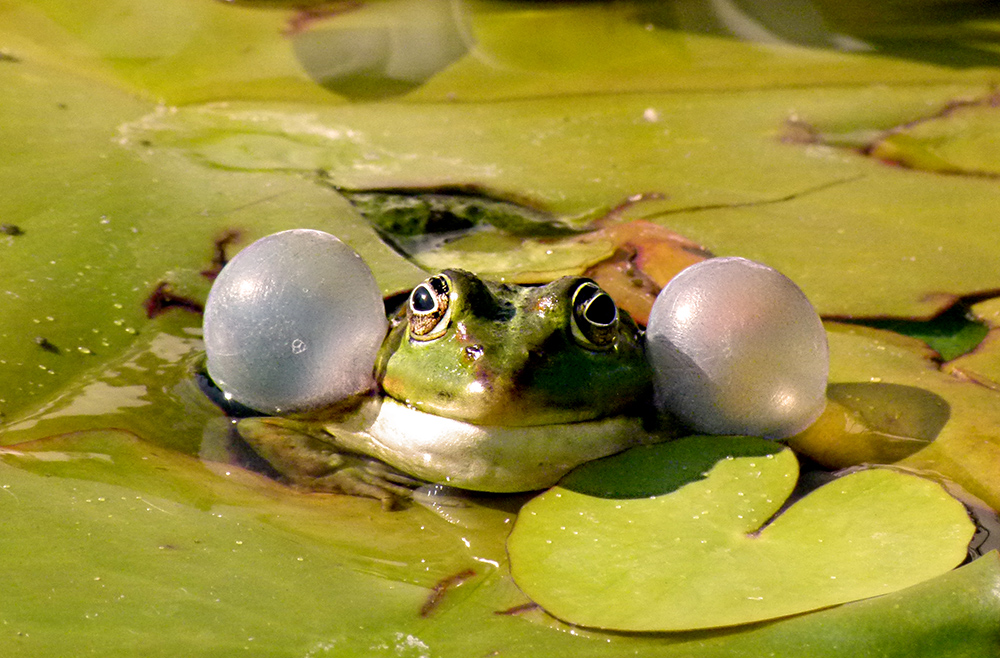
(484, 402)
(499, 459)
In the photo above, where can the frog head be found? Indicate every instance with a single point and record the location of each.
(491, 353)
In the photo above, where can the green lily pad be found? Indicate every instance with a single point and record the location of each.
(815, 196)
(873, 423)
(951, 334)
(964, 138)
(893, 372)
(86, 253)
(982, 364)
(922, 620)
(573, 108)
(178, 546)
(710, 554)
(143, 543)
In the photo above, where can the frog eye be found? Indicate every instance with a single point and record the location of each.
(595, 317)
(428, 310)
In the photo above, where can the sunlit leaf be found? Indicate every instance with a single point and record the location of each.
(97, 228)
(141, 544)
(982, 364)
(827, 218)
(145, 143)
(709, 553)
(893, 372)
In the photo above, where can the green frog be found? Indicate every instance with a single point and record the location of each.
(482, 385)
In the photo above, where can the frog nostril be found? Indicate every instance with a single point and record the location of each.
(473, 352)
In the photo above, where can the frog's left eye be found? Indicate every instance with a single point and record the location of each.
(595, 317)
(428, 311)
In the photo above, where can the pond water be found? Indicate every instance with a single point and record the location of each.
(852, 146)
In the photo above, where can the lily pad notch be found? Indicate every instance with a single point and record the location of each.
(715, 551)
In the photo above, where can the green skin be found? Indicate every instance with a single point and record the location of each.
(488, 386)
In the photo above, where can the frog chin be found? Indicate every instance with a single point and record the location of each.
(484, 458)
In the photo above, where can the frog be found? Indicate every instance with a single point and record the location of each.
(480, 385)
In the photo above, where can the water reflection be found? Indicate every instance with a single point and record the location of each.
(368, 51)
(384, 49)
(787, 22)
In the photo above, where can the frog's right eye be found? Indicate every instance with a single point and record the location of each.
(595, 317)
(428, 311)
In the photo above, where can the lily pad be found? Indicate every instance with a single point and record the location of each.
(89, 257)
(982, 364)
(710, 554)
(143, 543)
(813, 196)
(883, 368)
(950, 334)
(873, 423)
(179, 546)
(569, 107)
(949, 616)
(964, 138)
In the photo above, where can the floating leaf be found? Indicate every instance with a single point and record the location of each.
(953, 615)
(965, 449)
(982, 365)
(631, 260)
(964, 138)
(851, 258)
(950, 334)
(873, 423)
(113, 227)
(710, 554)
(573, 107)
(142, 543)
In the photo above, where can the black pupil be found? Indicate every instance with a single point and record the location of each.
(600, 310)
(423, 300)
